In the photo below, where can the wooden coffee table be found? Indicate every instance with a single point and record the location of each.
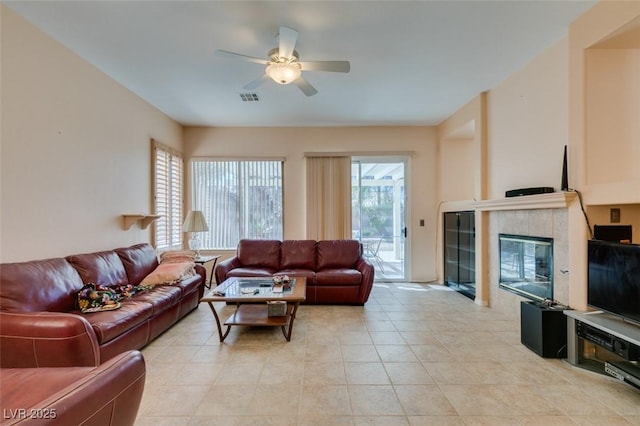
(251, 296)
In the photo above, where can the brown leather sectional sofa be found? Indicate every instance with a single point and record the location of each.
(335, 270)
(40, 324)
(108, 394)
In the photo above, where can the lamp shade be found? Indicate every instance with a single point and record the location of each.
(283, 72)
(195, 222)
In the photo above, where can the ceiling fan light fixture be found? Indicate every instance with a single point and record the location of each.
(283, 72)
(283, 66)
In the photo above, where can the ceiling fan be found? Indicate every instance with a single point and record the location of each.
(283, 65)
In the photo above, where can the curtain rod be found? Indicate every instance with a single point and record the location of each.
(236, 158)
(361, 154)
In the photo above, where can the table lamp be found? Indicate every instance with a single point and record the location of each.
(195, 223)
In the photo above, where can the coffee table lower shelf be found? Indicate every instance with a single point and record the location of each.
(256, 315)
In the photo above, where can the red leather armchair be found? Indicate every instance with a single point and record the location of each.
(107, 395)
(47, 339)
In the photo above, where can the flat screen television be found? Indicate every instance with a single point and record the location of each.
(613, 283)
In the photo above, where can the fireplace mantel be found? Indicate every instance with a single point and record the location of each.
(554, 200)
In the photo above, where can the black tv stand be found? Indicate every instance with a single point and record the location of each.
(611, 333)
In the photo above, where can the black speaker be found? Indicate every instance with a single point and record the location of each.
(543, 329)
(528, 191)
(615, 233)
(564, 186)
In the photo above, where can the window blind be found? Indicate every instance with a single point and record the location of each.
(168, 180)
(240, 199)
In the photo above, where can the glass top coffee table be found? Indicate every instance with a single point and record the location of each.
(253, 297)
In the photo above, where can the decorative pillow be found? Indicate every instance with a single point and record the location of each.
(139, 261)
(170, 273)
(177, 256)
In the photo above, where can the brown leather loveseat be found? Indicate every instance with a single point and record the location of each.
(336, 271)
(40, 324)
(107, 395)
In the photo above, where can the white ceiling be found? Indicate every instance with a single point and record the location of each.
(412, 62)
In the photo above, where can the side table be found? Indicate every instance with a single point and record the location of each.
(203, 260)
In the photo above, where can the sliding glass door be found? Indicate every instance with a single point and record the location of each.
(378, 213)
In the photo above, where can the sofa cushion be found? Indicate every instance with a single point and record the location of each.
(111, 324)
(170, 273)
(104, 268)
(161, 297)
(178, 256)
(39, 285)
(337, 294)
(309, 275)
(189, 285)
(41, 384)
(251, 272)
(340, 276)
(108, 394)
(338, 254)
(138, 260)
(259, 253)
(298, 254)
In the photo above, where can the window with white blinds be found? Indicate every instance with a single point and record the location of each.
(240, 199)
(168, 178)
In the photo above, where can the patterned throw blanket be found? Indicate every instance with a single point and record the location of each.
(95, 298)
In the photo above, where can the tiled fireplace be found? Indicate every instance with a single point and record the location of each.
(546, 222)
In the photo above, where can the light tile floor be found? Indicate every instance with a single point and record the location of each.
(413, 355)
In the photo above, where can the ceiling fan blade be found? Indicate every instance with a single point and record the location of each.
(257, 82)
(304, 85)
(331, 66)
(286, 42)
(232, 55)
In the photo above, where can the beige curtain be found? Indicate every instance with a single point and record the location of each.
(328, 198)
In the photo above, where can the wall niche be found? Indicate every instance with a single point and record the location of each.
(612, 71)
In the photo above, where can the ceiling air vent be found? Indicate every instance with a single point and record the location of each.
(249, 97)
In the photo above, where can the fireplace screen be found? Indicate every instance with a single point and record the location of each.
(526, 266)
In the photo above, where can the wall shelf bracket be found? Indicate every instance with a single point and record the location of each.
(144, 219)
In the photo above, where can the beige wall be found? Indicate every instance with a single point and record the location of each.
(528, 124)
(613, 108)
(292, 143)
(590, 35)
(462, 149)
(457, 178)
(75, 150)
